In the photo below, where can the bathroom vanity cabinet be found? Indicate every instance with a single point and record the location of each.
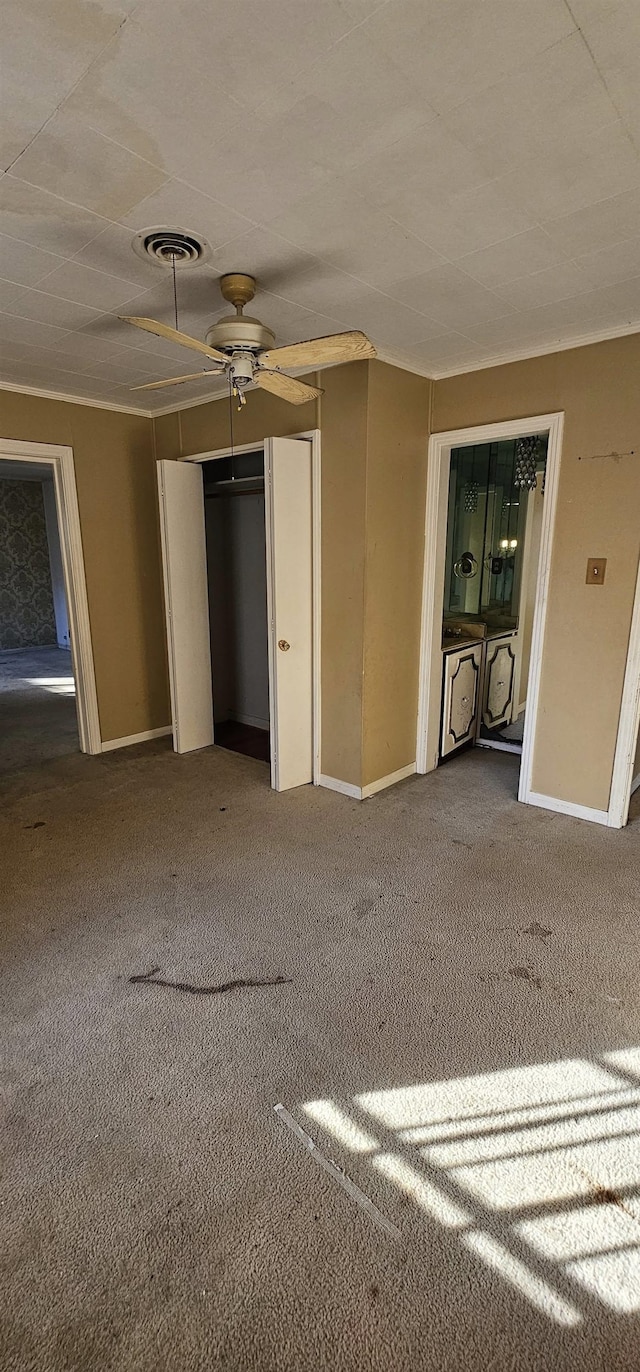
(462, 677)
(499, 678)
(479, 683)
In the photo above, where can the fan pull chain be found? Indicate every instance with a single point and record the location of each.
(233, 474)
(175, 288)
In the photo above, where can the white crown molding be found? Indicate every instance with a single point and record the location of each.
(75, 399)
(383, 355)
(523, 354)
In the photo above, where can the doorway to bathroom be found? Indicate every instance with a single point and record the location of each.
(491, 497)
(494, 522)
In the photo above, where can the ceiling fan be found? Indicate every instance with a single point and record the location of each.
(243, 349)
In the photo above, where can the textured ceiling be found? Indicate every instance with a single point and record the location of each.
(460, 179)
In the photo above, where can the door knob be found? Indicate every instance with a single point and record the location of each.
(283, 645)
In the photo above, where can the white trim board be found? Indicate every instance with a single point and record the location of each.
(345, 788)
(76, 399)
(60, 459)
(430, 686)
(585, 340)
(213, 454)
(566, 807)
(629, 724)
(113, 743)
(401, 774)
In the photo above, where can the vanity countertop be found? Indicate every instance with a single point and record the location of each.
(452, 642)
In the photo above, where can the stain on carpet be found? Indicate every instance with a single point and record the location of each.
(538, 931)
(150, 979)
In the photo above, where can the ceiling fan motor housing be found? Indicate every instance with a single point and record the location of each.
(237, 332)
(242, 368)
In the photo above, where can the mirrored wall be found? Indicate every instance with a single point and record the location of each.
(488, 488)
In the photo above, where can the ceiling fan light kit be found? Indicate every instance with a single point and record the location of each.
(243, 347)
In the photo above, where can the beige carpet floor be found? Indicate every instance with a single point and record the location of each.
(458, 1031)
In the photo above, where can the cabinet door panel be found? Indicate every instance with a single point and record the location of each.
(460, 697)
(499, 679)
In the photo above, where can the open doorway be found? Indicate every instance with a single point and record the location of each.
(48, 705)
(494, 524)
(37, 685)
(234, 506)
(491, 495)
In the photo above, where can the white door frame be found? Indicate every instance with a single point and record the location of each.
(60, 459)
(430, 687)
(313, 437)
(622, 778)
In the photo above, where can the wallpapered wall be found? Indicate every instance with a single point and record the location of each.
(26, 598)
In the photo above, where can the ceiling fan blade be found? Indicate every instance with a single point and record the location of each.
(336, 347)
(174, 336)
(287, 387)
(177, 380)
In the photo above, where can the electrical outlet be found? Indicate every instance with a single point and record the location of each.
(596, 568)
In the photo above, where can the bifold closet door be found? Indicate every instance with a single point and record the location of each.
(288, 515)
(186, 599)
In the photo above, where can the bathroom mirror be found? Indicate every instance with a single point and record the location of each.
(486, 527)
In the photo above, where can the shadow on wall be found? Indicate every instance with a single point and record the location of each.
(535, 1171)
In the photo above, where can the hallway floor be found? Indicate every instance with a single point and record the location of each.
(37, 707)
(450, 1010)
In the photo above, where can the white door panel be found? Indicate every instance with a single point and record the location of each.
(288, 511)
(184, 563)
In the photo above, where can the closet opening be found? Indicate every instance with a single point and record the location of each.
(234, 503)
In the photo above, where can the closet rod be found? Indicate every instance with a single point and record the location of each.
(232, 495)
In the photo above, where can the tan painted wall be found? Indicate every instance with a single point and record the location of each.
(115, 477)
(343, 421)
(636, 766)
(203, 428)
(598, 516)
(396, 479)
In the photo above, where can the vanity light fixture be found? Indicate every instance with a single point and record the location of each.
(526, 450)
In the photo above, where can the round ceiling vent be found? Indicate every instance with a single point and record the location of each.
(164, 247)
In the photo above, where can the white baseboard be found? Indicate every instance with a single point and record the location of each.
(635, 783)
(136, 738)
(344, 787)
(566, 807)
(248, 719)
(364, 792)
(390, 780)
